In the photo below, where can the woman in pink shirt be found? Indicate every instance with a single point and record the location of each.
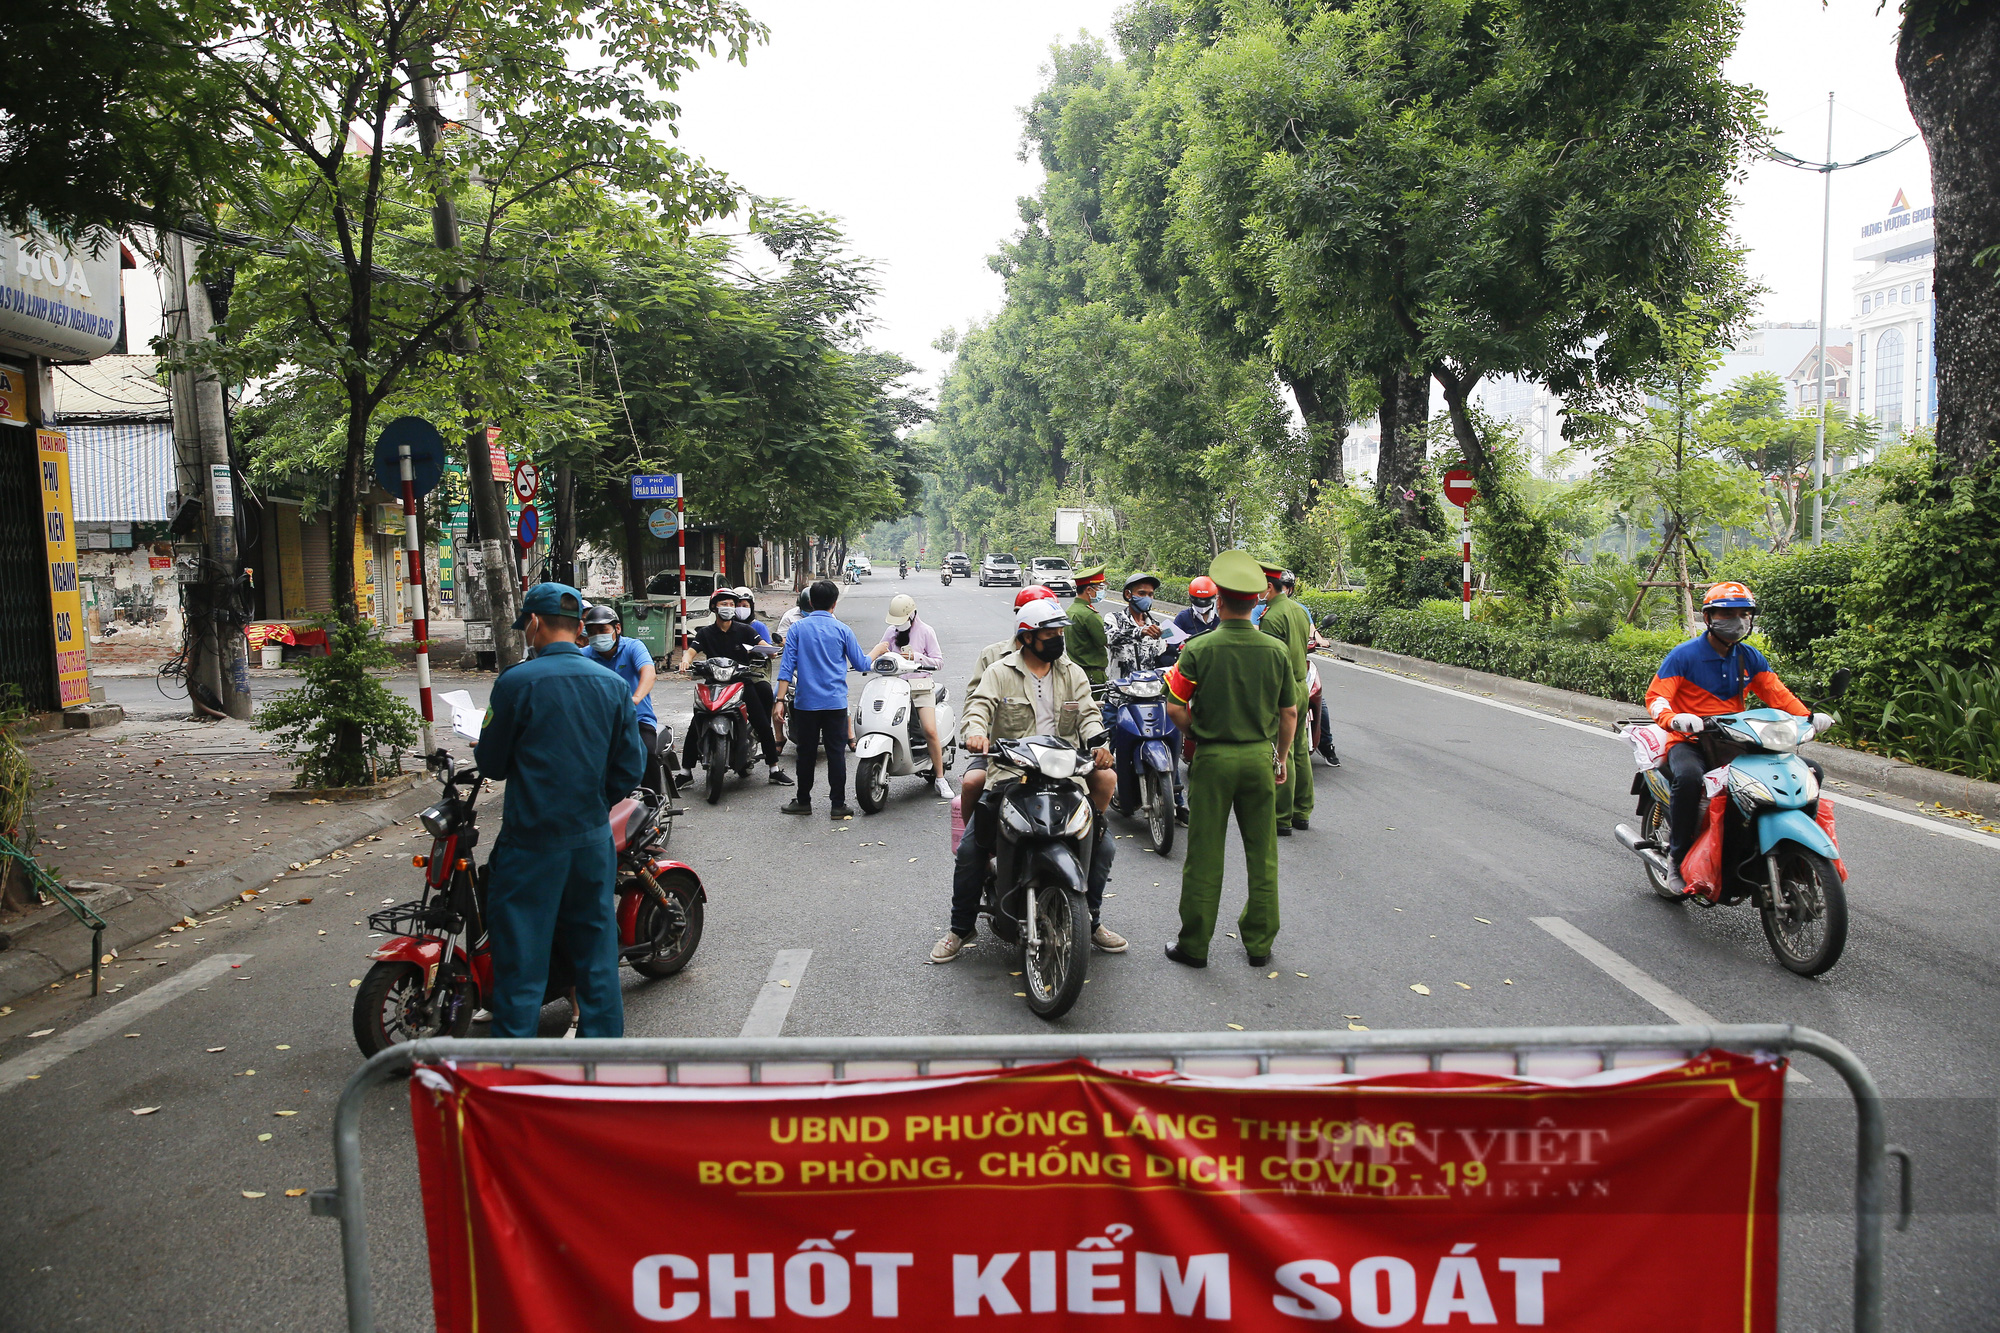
(913, 639)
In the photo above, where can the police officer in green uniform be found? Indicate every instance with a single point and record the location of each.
(1291, 624)
(1086, 628)
(1232, 690)
(560, 730)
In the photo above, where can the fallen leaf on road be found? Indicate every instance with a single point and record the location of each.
(1356, 1027)
(43, 1033)
(144, 1110)
(1272, 977)
(1461, 985)
(297, 865)
(1298, 974)
(252, 1194)
(1234, 1027)
(284, 1048)
(1020, 995)
(263, 1138)
(1395, 909)
(1352, 1018)
(1482, 921)
(913, 860)
(293, 1194)
(1508, 982)
(247, 1073)
(788, 985)
(1013, 974)
(303, 901)
(284, 1113)
(356, 981)
(213, 1049)
(131, 1034)
(387, 901)
(1421, 989)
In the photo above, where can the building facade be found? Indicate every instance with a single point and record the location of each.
(1895, 309)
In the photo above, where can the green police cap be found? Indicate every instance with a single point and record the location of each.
(1271, 572)
(1095, 574)
(1237, 572)
(549, 599)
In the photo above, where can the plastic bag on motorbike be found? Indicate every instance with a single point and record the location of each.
(1702, 866)
(1823, 816)
(1649, 745)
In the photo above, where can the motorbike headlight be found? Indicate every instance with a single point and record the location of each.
(439, 820)
(1079, 820)
(1780, 736)
(1747, 792)
(901, 714)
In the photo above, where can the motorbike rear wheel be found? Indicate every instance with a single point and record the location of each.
(871, 783)
(716, 761)
(672, 928)
(1159, 810)
(1053, 971)
(389, 1008)
(1809, 935)
(1653, 824)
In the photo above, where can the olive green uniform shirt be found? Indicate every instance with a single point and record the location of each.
(1233, 681)
(1086, 641)
(1291, 625)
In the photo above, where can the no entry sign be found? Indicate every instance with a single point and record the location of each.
(1459, 487)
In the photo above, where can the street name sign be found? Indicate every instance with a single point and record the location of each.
(657, 486)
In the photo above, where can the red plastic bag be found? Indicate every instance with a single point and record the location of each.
(1701, 868)
(1823, 816)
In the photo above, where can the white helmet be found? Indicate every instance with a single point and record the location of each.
(901, 607)
(1042, 613)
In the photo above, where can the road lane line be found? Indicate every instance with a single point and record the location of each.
(774, 1002)
(118, 1017)
(1636, 979)
(1842, 801)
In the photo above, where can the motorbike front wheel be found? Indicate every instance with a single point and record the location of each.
(716, 761)
(1053, 971)
(871, 783)
(673, 928)
(1809, 935)
(389, 1008)
(1160, 811)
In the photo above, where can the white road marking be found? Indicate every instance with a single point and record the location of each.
(115, 1019)
(1635, 978)
(774, 1002)
(1842, 801)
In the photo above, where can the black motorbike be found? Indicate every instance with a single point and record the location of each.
(1042, 830)
(720, 728)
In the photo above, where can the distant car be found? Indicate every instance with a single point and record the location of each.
(862, 564)
(668, 584)
(1000, 568)
(959, 563)
(1053, 572)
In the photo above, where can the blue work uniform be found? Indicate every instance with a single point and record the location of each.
(561, 731)
(628, 658)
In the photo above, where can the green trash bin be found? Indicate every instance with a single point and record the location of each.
(650, 622)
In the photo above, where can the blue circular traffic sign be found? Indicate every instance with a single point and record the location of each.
(426, 455)
(530, 526)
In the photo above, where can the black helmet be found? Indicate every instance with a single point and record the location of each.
(602, 614)
(806, 600)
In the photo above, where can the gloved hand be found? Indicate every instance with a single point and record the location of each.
(1687, 724)
(1823, 722)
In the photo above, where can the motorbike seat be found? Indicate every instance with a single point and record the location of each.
(940, 692)
(628, 817)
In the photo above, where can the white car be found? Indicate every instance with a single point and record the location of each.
(861, 563)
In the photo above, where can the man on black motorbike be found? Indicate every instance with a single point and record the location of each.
(731, 636)
(1703, 678)
(1033, 691)
(974, 780)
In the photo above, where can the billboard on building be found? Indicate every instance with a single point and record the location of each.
(65, 596)
(59, 302)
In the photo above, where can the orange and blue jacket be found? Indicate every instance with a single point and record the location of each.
(1696, 679)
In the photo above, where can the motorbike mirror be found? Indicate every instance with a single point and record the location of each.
(1838, 685)
(439, 761)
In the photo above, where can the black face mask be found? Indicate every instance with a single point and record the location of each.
(1049, 651)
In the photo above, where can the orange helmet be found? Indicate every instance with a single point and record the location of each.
(1203, 586)
(1728, 597)
(1032, 593)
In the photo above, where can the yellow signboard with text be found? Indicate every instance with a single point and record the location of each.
(65, 599)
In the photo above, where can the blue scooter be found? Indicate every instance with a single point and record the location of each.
(1146, 754)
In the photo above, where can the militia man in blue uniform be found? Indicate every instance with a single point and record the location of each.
(561, 732)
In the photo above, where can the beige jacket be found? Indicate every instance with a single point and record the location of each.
(1002, 704)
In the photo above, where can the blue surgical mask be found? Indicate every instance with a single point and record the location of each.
(1142, 603)
(603, 642)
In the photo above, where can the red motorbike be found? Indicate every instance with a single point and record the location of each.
(437, 971)
(719, 732)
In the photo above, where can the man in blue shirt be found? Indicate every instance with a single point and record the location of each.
(561, 732)
(818, 652)
(633, 662)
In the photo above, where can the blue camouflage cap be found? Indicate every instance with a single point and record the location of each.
(550, 599)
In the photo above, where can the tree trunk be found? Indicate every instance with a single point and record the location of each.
(1399, 462)
(1322, 400)
(346, 503)
(1949, 59)
(502, 587)
(563, 555)
(1457, 393)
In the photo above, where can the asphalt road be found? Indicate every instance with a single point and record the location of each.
(1463, 846)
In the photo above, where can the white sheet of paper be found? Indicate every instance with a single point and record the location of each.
(465, 715)
(1171, 634)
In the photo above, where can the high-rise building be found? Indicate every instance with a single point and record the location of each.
(1895, 371)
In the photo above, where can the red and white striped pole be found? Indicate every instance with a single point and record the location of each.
(1465, 554)
(421, 627)
(681, 541)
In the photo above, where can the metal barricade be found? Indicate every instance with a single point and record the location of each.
(724, 1060)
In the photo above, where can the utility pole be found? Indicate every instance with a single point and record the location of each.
(223, 663)
(488, 508)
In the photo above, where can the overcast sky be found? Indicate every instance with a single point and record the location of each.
(900, 117)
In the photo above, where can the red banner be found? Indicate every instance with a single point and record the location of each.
(1075, 1197)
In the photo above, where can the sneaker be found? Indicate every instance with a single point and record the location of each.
(570, 1035)
(842, 810)
(948, 949)
(943, 789)
(798, 805)
(1108, 941)
(1675, 884)
(780, 778)
(482, 1015)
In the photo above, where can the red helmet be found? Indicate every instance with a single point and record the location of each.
(1204, 586)
(1034, 592)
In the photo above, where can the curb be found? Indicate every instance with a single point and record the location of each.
(56, 947)
(1854, 766)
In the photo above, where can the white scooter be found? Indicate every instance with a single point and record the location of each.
(889, 736)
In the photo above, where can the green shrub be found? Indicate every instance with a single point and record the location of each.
(1658, 642)
(340, 719)
(1454, 609)
(1799, 592)
(1951, 721)
(1565, 664)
